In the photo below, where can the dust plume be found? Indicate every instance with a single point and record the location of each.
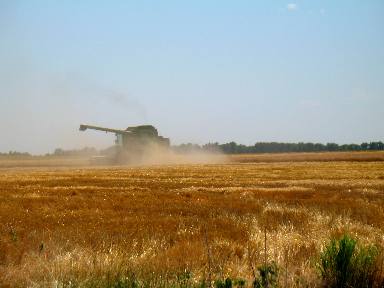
(156, 155)
(46, 108)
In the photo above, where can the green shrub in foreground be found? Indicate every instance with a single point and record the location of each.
(343, 263)
(268, 276)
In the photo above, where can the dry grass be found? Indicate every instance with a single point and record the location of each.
(80, 225)
(42, 161)
(310, 156)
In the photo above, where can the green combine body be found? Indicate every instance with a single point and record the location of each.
(134, 142)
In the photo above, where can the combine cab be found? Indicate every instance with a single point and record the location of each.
(132, 144)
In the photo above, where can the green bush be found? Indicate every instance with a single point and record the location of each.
(343, 263)
(224, 284)
(268, 276)
(229, 283)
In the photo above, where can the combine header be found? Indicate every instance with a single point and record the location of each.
(132, 143)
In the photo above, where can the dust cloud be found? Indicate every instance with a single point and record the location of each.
(170, 157)
(46, 108)
(156, 155)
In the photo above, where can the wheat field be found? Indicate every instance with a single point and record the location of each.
(166, 224)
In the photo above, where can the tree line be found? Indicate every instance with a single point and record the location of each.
(228, 148)
(15, 153)
(277, 147)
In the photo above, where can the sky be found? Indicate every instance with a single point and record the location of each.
(200, 71)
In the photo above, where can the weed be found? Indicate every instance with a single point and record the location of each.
(268, 276)
(344, 264)
(125, 283)
(13, 235)
(240, 283)
(184, 279)
(223, 284)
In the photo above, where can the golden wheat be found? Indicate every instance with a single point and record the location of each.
(75, 224)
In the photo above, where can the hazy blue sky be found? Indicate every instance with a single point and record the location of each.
(200, 71)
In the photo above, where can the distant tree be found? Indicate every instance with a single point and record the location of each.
(16, 153)
(86, 151)
(278, 147)
(376, 146)
(58, 152)
(332, 147)
(364, 146)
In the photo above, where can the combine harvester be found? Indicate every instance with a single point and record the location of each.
(131, 144)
